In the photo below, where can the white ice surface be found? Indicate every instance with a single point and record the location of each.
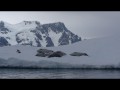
(102, 52)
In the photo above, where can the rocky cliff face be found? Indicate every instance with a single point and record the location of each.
(3, 42)
(34, 34)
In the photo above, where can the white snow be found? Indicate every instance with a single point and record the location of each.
(43, 42)
(102, 52)
(25, 34)
(16, 28)
(28, 37)
(22, 26)
(55, 37)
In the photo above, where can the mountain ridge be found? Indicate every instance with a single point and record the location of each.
(36, 34)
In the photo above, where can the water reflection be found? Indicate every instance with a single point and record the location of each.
(58, 74)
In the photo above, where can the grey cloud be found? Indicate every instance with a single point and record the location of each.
(85, 24)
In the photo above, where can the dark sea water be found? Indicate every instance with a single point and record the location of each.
(58, 74)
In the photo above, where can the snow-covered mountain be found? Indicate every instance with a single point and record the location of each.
(35, 34)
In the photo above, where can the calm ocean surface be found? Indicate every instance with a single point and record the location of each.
(58, 74)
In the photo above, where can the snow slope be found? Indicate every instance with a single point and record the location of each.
(103, 52)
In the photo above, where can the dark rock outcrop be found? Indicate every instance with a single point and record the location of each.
(18, 51)
(49, 42)
(78, 54)
(57, 54)
(49, 53)
(44, 52)
(3, 42)
(3, 29)
(66, 37)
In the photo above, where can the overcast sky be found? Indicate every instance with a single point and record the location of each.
(85, 24)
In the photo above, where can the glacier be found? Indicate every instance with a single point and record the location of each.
(103, 53)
